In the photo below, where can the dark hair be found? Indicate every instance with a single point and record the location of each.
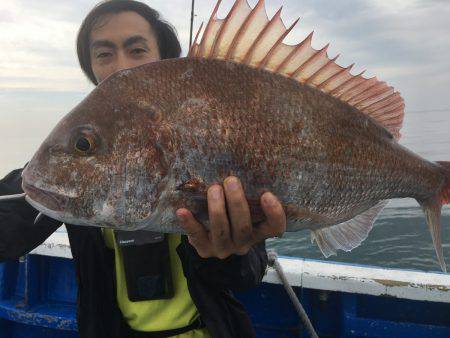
(166, 37)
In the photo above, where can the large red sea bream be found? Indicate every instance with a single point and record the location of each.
(288, 119)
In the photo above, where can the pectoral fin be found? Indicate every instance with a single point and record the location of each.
(194, 185)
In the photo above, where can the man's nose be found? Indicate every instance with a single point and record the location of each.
(123, 62)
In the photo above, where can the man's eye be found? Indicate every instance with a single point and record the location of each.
(138, 51)
(103, 55)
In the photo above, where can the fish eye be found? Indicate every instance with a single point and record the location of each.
(83, 144)
(84, 141)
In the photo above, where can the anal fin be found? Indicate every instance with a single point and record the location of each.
(347, 235)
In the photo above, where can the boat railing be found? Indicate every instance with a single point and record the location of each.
(326, 275)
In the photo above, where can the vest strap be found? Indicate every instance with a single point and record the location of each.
(196, 324)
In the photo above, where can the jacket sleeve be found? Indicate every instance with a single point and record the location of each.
(18, 233)
(235, 273)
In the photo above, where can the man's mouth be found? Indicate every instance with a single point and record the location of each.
(50, 200)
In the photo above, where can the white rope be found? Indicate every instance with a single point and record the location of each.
(273, 262)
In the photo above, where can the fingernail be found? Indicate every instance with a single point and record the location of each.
(269, 199)
(232, 183)
(216, 192)
(180, 216)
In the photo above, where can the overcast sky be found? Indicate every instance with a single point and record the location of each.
(403, 42)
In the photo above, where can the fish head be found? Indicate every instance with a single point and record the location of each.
(103, 164)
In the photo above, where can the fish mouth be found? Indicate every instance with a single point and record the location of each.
(49, 200)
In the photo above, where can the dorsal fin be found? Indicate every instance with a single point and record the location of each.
(246, 35)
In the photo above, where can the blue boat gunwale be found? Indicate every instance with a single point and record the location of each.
(328, 275)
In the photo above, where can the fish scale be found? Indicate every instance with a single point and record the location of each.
(285, 144)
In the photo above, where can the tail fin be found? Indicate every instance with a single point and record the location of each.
(445, 192)
(432, 208)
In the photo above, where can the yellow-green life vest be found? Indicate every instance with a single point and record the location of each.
(160, 314)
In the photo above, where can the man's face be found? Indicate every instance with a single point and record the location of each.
(121, 41)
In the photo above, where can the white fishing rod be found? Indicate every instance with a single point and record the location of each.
(12, 197)
(17, 197)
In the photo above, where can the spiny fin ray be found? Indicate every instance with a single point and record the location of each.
(248, 36)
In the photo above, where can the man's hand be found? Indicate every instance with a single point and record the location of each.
(233, 235)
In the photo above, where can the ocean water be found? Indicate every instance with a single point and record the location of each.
(399, 239)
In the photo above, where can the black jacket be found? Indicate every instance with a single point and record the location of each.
(210, 281)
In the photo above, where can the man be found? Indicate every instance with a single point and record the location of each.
(159, 288)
